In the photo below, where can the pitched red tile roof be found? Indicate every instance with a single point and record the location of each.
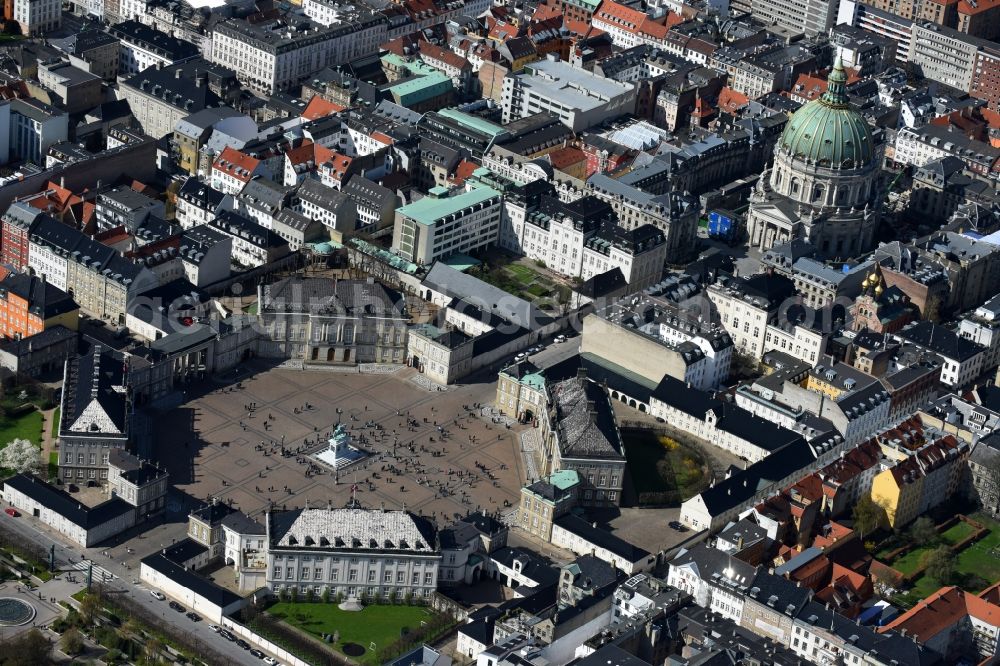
(630, 20)
(464, 170)
(337, 164)
(564, 157)
(941, 611)
(977, 7)
(319, 107)
(435, 52)
(234, 163)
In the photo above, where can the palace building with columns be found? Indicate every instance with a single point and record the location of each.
(823, 186)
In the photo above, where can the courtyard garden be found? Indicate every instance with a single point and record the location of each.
(525, 279)
(942, 559)
(663, 470)
(354, 633)
(27, 425)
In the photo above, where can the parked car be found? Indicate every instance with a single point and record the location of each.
(256, 653)
(560, 338)
(243, 644)
(520, 357)
(677, 526)
(177, 607)
(12, 512)
(270, 661)
(157, 595)
(194, 617)
(228, 636)
(214, 627)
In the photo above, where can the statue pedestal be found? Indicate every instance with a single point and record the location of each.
(339, 452)
(351, 605)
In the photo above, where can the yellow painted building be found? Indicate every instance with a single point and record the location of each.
(921, 481)
(898, 490)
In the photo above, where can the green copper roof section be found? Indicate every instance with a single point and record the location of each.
(430, 209)
(420, 89)
(827, 132)
(565, 479)
(535, 380)
(473, 122)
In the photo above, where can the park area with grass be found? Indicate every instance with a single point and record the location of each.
(26, 426)
(380, 624)
(976, 566)
(663, 470)
(524, 281)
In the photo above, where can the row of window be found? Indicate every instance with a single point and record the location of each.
(316, 573)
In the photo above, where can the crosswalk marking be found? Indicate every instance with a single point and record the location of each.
(101, 575)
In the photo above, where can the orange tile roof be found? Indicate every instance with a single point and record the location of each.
(731, 101)
(383, 138)
(337, 164)
(234, 163)
(582, 28)
(113, 235)
(991, 594)
(142, 188)
(309, 151)
(88, 212)
(980, 6)
(567, 156)
(992, 118)
(319, 107)
(501, 30)
(435, 52)
(464, 170)
(941, 611)
(630, 20)
(546, 11)
(851, 464)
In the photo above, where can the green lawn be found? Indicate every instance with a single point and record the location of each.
(53, 465)
(661, 465)
(976, 566)
(983, 557)
(27, 426)
(957, 532)
(910, 562)
(55, 423)
(379, 624)
(522, 273)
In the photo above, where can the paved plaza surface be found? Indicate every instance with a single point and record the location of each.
(215, 447)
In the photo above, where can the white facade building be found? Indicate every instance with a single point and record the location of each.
(38, 17)
(353, 552)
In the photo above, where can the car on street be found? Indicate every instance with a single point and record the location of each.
(157, 595)
(177, 607)
(270, 661)
(256, 653)
(12, 512)
(214, 627)
(228, 636)
(520, 357)
(194, 617)
(560, 338)
(243, 644)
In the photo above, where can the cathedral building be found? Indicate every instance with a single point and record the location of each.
(824, 184)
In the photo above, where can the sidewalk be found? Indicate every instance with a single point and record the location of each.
(48, 441)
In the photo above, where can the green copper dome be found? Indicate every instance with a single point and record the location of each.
(827, 131)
